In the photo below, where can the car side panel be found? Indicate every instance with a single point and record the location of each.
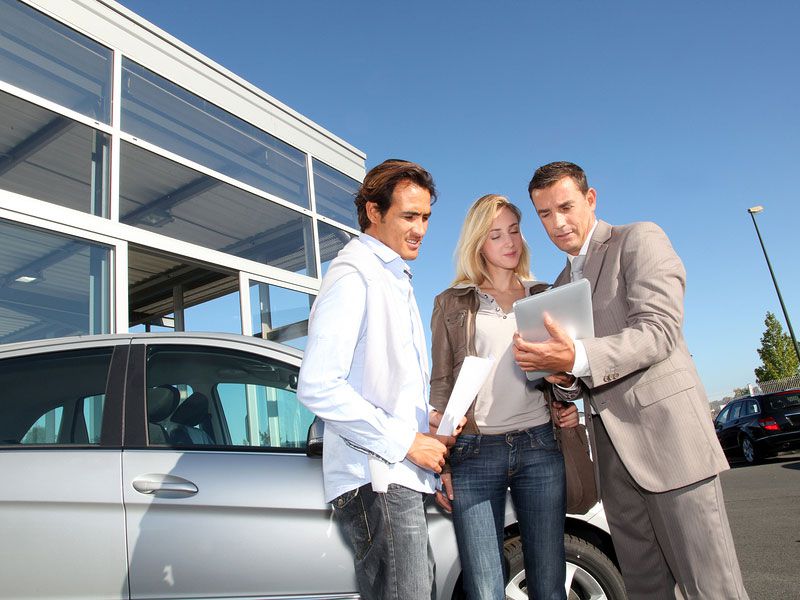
(729, 436)
(257, 526)
(62, 527)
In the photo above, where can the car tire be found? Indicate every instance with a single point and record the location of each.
(751, 455)
(591, 572)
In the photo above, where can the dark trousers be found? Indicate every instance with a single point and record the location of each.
(388, 534)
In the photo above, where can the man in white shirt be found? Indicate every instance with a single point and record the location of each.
(365, 373)
(655, 448)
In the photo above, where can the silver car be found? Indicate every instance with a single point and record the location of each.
(179, 466)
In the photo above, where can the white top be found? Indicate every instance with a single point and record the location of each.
(365, 370)
(507, 401)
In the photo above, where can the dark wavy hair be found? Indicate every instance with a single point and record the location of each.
(379, 184)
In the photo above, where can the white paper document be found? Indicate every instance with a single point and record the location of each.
(379, 474)
(473, 373)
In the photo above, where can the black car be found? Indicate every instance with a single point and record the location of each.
(759, 426)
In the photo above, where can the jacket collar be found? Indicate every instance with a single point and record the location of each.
(461, 289)
(594, 255)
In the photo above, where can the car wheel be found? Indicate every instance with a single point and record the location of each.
(591, 573)
(749, 451)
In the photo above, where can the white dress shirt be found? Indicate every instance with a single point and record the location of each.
(365, 370)
(580, 367)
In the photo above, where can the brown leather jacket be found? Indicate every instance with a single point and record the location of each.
(453, 339)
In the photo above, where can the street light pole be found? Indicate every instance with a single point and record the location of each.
(757, 209)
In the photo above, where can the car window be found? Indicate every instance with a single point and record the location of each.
(781, 402)
(208, 397)
(53, 399)
(735, 411)
(750, 407)
(723, 415)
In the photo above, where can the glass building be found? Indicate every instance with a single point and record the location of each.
(144, 187)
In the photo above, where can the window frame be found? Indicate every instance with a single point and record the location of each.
(111, 425)
(135, 431)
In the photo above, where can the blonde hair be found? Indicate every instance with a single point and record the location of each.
(470, 263)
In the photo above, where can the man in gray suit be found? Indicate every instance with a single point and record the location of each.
(655, 449)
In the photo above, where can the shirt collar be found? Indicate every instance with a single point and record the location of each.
(585, 247)
(391, 260)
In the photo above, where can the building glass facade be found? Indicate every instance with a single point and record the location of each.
(143, 187)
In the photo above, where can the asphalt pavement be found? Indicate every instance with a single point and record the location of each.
(763, 504)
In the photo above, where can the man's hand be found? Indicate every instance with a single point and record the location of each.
(428, 452)
(435, 419)
(562, 379)
(555, 354)
(444, 496)
(564, 414)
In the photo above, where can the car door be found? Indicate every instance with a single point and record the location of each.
(221, 499)
(733, 426)
(727, 427)
(62, 526)
(748, 418)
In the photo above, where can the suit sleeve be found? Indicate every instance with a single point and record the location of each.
(442, 359)
(651, 289)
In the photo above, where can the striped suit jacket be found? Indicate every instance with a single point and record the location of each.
(643, 381)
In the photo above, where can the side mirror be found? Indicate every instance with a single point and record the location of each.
(316, 432)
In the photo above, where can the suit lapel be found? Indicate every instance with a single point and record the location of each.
(596, 254)
(563, 277)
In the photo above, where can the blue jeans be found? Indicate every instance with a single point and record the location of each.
(484, 467)
(388, 534)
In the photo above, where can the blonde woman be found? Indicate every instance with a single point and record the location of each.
(507, 442)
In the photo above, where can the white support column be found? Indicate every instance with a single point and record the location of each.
(116, 116)
(244, 304)
(119, 294)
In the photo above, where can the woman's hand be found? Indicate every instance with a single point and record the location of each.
(564, 414)
(444, 496)
(435, 419)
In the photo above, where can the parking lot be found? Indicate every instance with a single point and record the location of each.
(763, 504)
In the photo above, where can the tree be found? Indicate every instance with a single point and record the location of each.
(742, 391)
(778, 357)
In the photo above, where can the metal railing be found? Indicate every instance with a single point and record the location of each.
(770, 387)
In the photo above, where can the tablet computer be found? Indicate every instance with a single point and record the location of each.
(570, 305)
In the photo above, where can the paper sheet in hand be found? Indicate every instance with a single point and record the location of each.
(473, 373)
(379, 475)
(570, 305)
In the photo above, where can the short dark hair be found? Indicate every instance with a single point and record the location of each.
(553, 172)
(379, 184)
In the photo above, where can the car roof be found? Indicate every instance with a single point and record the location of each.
(78, 341)
(773, 394)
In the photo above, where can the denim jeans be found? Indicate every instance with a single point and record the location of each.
(484, 467)
(388, 534)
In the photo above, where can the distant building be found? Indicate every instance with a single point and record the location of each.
(145, 187)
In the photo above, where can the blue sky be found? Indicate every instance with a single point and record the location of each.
(683, 113)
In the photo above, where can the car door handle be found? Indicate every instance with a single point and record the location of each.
(164, 485)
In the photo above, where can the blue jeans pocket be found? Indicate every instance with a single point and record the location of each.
(465, 447)
(543, 437)
(352, 516)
